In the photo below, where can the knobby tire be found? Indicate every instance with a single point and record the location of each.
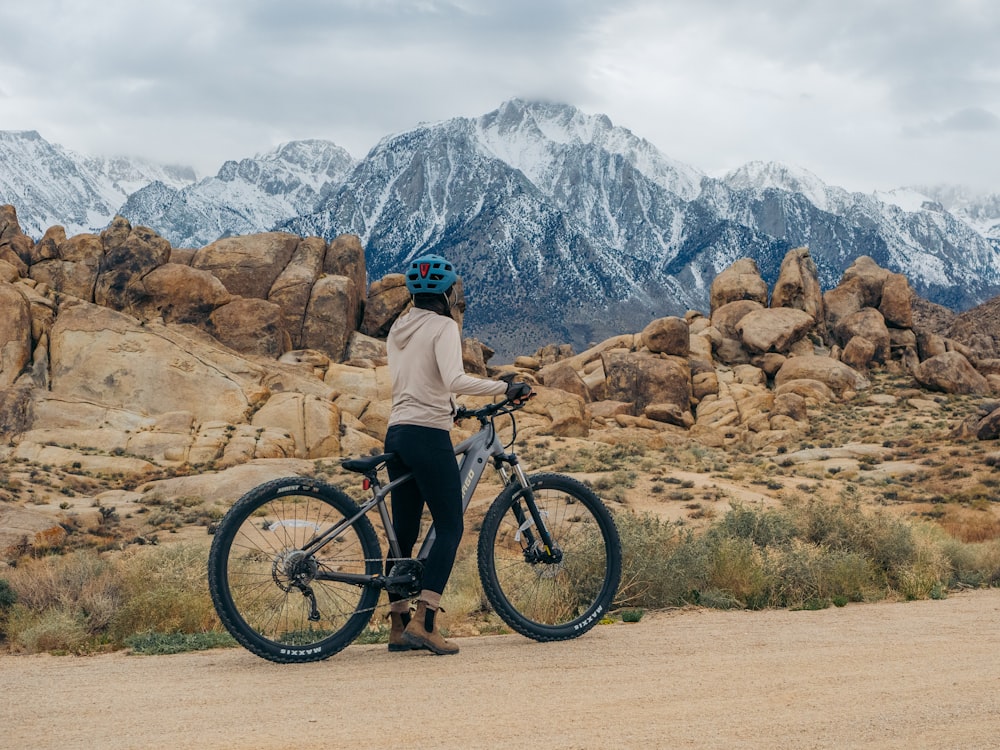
(551, 601)
(254, 558)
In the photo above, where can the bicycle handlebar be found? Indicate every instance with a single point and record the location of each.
(491, 410)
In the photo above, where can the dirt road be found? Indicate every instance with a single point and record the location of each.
(897, 675)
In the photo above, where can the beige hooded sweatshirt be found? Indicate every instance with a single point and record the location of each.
(425, 364)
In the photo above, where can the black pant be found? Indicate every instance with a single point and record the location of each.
(428, 453)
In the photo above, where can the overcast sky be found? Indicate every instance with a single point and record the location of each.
(868, 94)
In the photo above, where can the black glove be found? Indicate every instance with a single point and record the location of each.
(518, 391)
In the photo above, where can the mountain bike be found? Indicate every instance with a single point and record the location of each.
(296, 569)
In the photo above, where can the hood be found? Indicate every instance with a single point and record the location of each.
(407, 324)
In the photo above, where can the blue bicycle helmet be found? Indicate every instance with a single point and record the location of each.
(430, 274)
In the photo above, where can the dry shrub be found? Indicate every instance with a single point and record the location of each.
(84, 600)
(971, 564)
(805, 554)
(970, 525)
(740, 568)
(54, 630)
(64, 603)
(806, 575)
(166, 591)
(468, 612)
(658, 565)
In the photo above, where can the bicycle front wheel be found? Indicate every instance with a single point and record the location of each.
(271, 595)
(557, 594)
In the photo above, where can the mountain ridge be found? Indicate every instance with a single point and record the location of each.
(569, 224)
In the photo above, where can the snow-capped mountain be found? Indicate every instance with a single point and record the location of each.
(49, 184)
(946, 259)
(564, 227)
(577, 229)
(978, 209)
(248, 196)
(555, 218)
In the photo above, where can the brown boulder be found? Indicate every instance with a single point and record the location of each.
(15, 334)
(251, 326)
(8, 273)
(561, 375)
(73, 279)
(870, 278)
(472, 357)
(669, 414)
(364, 349)
(839, 377)
(843, 300)
(790, 404)
(813, 391)
(346, 257)
(566, 412)
(47, 248)
(740, 281)
(951, 372)
(15, 245)
(798, 286)
(989, 426)
(248, 266)
(858, 353)
(930, 344)
(179, 294)
(643, 379)
(104, 357)
(669, 335)
(895, 305)
(769, 362)
(869, 324)
(74, 272)
(704, 384)
(313, 423)
(773, 329)
(293, 287)
(727, 316)
(332, 316)
(387, 299)
(129, 254)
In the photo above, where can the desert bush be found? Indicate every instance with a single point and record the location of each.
(64, 602)
(85, 601)
(165, 591)
(804, 554)
(655, 569)
(762, 527)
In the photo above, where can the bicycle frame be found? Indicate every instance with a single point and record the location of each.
(475, 453)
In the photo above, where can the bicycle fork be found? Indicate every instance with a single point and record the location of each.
(539, 546)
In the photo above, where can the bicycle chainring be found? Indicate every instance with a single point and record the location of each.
(411, 572)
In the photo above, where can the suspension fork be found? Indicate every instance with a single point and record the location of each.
(552, 553)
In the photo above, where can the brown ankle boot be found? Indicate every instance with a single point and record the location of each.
(397, 624)
(422, 632)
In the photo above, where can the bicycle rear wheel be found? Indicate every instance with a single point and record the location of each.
(269, 594)
(550, 598)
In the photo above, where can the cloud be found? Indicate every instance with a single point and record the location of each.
(829, 86)
(965, 121)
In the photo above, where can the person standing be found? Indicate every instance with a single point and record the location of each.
(425, 365)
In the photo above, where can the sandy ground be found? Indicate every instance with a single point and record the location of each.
(893, 675)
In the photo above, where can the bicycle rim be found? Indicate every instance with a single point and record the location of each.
(258, 574)
(551, 600)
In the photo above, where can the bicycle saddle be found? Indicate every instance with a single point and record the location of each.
(367, 464)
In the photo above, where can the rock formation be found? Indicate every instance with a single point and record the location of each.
(120, 352)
